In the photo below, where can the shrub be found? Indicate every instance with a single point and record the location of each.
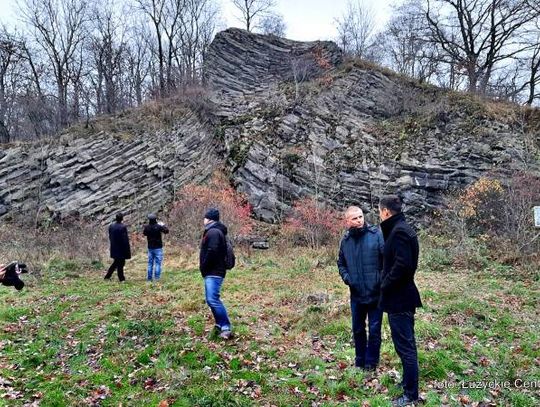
(69, 239)
(312, 224)
(498, 215)
(192, 201)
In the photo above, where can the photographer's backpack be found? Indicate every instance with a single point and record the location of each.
(230, 258)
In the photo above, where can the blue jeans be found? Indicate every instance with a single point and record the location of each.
(368, 348)
(402, 328)
(155, 256)
(212, 288)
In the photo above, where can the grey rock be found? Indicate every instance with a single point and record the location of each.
(288, 120)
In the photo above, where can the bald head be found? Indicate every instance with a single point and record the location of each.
(354, 217)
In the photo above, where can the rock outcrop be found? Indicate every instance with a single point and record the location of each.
(288, 120)
(351, 132)
(96, 176)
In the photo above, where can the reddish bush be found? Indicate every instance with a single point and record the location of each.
(312, 224)
(192, 201)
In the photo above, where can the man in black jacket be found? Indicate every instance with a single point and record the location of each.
(359, 264)
(153, 232)
(120, 250)
(213, 269)
(399, 295)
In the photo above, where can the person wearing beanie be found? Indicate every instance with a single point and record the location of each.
(153, 231)
(119, 247)
(213, 268)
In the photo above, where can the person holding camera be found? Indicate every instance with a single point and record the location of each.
(153, 232)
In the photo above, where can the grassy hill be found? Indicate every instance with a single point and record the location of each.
(71, 338)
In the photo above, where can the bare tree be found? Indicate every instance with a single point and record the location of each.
(302, 67)
(273, 24)
(107, 47)
(197, 28)
(403, 45)
(155, 10)
(253, 10)
(533, 64)
(477, 35)
(10, 56)
(59, 30)
(356, 28)
(138, 64)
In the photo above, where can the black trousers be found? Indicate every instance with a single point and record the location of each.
(402, 329)
(367, 348)
(118, 264)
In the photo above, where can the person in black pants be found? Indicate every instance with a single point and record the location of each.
(360, 264)
(399, 295)
(120, 250)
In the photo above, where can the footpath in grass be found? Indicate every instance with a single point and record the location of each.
(71, 338)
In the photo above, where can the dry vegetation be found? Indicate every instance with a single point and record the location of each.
(71, 338)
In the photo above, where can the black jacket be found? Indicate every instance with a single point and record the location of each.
(360, 263)
(213, 250)
(118, 237)
(153, 232)
(398, 291)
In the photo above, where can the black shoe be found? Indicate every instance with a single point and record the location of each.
(369, 368)
(404, 401)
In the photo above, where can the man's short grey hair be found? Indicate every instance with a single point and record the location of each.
(351, 209)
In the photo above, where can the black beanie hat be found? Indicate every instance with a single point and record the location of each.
(212, 214)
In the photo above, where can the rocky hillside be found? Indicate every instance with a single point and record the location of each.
(94, 176)
(285, 119)
(349, 132)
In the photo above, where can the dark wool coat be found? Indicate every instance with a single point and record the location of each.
(398, 290)
(119, 240)
(153, 232)
(213, 250)
(360, 263)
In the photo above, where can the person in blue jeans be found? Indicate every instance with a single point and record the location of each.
(153, 232)
(213, 269)
(360, 264)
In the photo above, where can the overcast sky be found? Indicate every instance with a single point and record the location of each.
(305, 19)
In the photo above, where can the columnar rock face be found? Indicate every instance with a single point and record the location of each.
(349, 133)
(244, 69)
(288, 120)
(98, 175)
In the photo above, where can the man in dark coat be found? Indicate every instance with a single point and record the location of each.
(399, 295)
(213, 269)
(359, 264)
(153, 232)
(120, 250)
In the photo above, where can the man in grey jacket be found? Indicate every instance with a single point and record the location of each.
(360, 265)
